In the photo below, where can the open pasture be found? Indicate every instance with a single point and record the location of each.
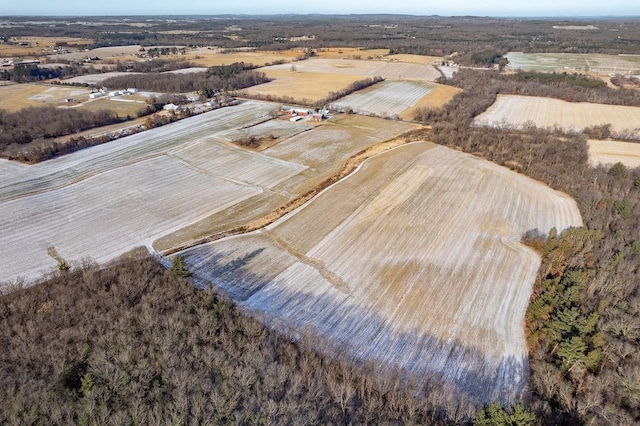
(414, 261)
(611, 152)
(573, 62)
(386, 99)
(517, 111)
(122, 107)
(362, 68)
(103, 201)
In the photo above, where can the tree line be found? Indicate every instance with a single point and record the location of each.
(583, 322)
(219, 78)
(135, 343)
(33, 125)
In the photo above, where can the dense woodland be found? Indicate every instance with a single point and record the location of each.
(34, 126)
(583, 323)
(135, 343)
(215, 79)
(430, 35)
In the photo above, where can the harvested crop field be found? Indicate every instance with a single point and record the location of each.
(414, 261)
(350, 53)
(611, 152)
(436, 98)
(573, 62)
(386, 99)
(362, 68)
(97, 78)
(100, 52)
(171, 183)
(212, 57)
(304, 87)
(517, 111)
(103, 201)
(322, 151)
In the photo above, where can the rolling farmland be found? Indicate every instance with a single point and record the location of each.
(573, 62)
(363, 68)
(103, 201)
(515, 111)
(385, 99)
(169, 183)
(611, 152)
(414, 260)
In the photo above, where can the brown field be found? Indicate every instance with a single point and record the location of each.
(611, 152)
(213, 57)
(305, 87)
(363, 68)
(17, 96)
(351, 53)
(120, 107)
(437, 98)
(38, 44)
(415, 59)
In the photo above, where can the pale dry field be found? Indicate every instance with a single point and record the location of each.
(166, 184)
(414, 260)
(101, 52)
(611, 152)
(386, 99)
(415, 59)
(97, 78)
(435, 99)
(363, 68)
(322, 151)
(14, 97)
(103, 201)
(304, 87)
(38, 44)
(209, 58)
(574, 62)
(516, 111)
(350, 53)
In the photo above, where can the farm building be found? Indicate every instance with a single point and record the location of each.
(299, 112)
(171, 107)
(96, 95)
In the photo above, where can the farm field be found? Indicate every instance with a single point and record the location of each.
(213, 57)
(516, 111)
(103, 201)
(362, 68)
(304, 87)
(38, 44)
(573, 62)
(414, 260)
(611, 152)
(436, 98)
(97, 78)
(122, 107)
(350, 53)
(322, 151)
(386, 99)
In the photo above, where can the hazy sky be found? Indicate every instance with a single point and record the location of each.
(415, 7)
